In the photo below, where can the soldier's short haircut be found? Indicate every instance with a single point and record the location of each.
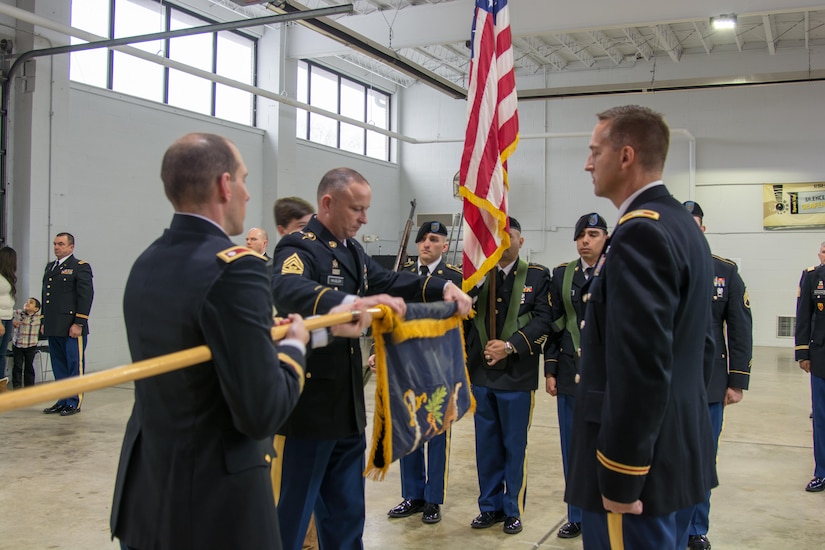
(69, 237)
(641, 128)
(287, 209)
(338, 179)
(193, 164)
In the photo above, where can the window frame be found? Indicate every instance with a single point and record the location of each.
(340, 77)
(168, 8)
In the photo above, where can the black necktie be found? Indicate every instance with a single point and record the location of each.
(588, 272)
(424, 270)
(499, 278)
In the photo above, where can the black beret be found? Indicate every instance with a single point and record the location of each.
(589, 220)
(694, 208)
(430, 227)
(514, 224)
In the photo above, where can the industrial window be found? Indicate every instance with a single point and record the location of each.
(226, 53)
(331, 91)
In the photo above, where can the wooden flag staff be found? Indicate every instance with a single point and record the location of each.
(150, 367)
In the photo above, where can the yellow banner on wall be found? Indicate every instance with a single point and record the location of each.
(793, 205)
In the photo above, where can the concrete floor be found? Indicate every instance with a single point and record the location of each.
(56, 476)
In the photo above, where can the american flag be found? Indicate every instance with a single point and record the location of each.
(492, 136)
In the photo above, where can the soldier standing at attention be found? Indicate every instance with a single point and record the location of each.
(561, 350)
(424, 482)
(67, 301)
(732, 364)
(642, 445)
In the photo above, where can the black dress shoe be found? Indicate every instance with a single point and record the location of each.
(487, 519)
(432, 513)
(570, 530)
(69, 411)
(817, 484)
(407, 508)
(698, 542)
(54, 409)
(512, 525)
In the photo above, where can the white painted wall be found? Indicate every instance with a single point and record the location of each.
(744, 137)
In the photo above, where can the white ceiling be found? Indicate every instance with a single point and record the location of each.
(586, 41)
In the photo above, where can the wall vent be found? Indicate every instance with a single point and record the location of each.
(785, 326)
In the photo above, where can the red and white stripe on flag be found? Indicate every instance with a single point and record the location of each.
(492, 136)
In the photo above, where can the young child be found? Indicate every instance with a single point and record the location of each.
(26, 324)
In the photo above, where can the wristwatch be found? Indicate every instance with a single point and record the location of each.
(508, 347)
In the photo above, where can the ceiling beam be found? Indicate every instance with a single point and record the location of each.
(363, 45)
(578, 50)
(739, 39)
(704, 36)
(606, 44)
(807, 31)
(770, 34)
(668, 41)
(545, 53)
(639, 41)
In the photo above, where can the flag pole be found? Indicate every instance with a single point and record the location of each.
(150, 367)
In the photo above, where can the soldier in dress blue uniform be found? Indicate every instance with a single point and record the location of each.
(731, 311)
(561, 349)
(323, 440)
(424, 482)
(194, 467)
(67, 302)
(642, 445)
(810, 352)
(504, 375)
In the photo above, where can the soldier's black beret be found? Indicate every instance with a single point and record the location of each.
(430, 227)
(593, 220)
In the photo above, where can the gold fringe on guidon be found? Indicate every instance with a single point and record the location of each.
(401, 331)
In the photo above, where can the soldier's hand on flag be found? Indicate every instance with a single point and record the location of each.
(356, 327)
(454, 294)
(296, 330)
(396, 304)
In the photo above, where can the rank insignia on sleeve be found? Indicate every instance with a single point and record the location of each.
(293, 266)
(231, 254)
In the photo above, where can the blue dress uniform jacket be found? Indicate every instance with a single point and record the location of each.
(195, 464)
(559, 353)
(312, 273)
(810, 320)
(67, 297)
(641, 425)
(731, 306)
(520, 371)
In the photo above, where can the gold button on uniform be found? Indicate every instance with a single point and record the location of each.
(578, 377)
(309, 375)
(267, 459)
(581, 325)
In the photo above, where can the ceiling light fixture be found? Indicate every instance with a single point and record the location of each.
(723, 22)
